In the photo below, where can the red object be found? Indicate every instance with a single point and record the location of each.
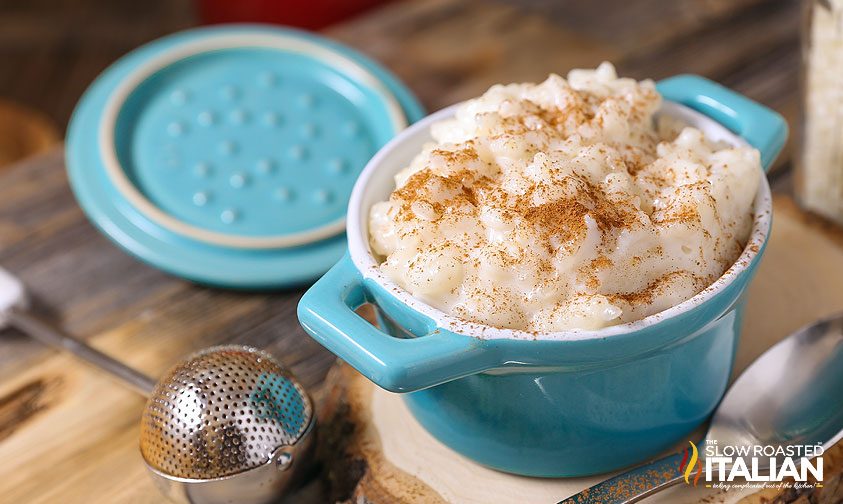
(308, 14)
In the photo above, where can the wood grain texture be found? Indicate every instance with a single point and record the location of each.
(397, 461)
(50, 50)
(67, 433)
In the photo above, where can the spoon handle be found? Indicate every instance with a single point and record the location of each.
(636, 484)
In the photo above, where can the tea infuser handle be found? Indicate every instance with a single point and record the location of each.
(326, 312)
(762, 127)
(638, 483)
(53, 336)
(13, 313)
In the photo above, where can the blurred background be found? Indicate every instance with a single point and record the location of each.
(51, 50)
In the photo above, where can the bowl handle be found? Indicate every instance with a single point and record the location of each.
(763, 128)
(326, 311)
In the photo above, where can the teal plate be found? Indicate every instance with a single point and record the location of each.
(227, 155)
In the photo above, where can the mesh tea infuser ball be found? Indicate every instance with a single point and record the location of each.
(228, 424)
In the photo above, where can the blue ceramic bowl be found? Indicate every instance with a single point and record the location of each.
(571, 403)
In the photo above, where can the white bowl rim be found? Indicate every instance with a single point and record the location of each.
(368, 266)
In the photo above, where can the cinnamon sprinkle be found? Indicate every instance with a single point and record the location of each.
(552, 199)
(657, 286)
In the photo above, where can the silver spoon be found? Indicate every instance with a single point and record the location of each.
(791, 395)
(226, 424)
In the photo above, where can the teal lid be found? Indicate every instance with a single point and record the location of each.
(227, 155)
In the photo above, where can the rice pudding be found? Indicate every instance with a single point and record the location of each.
(563, 205)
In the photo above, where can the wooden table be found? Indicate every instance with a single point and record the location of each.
(69, 434)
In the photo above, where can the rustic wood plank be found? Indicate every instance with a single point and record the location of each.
(642, 25)
(451, 50)
(70, 429)
(51, 50)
